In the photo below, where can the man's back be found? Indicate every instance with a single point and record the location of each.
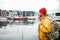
(45, 27)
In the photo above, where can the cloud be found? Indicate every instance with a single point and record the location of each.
(33, 5)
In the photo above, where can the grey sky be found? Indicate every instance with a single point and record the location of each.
(33, 5)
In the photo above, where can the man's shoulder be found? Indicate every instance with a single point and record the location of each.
(49, 18)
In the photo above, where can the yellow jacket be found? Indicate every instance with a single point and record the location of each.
(44, 28)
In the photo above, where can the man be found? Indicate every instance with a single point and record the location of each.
(45, 25)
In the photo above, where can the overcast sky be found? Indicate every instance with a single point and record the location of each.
(31, 5)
